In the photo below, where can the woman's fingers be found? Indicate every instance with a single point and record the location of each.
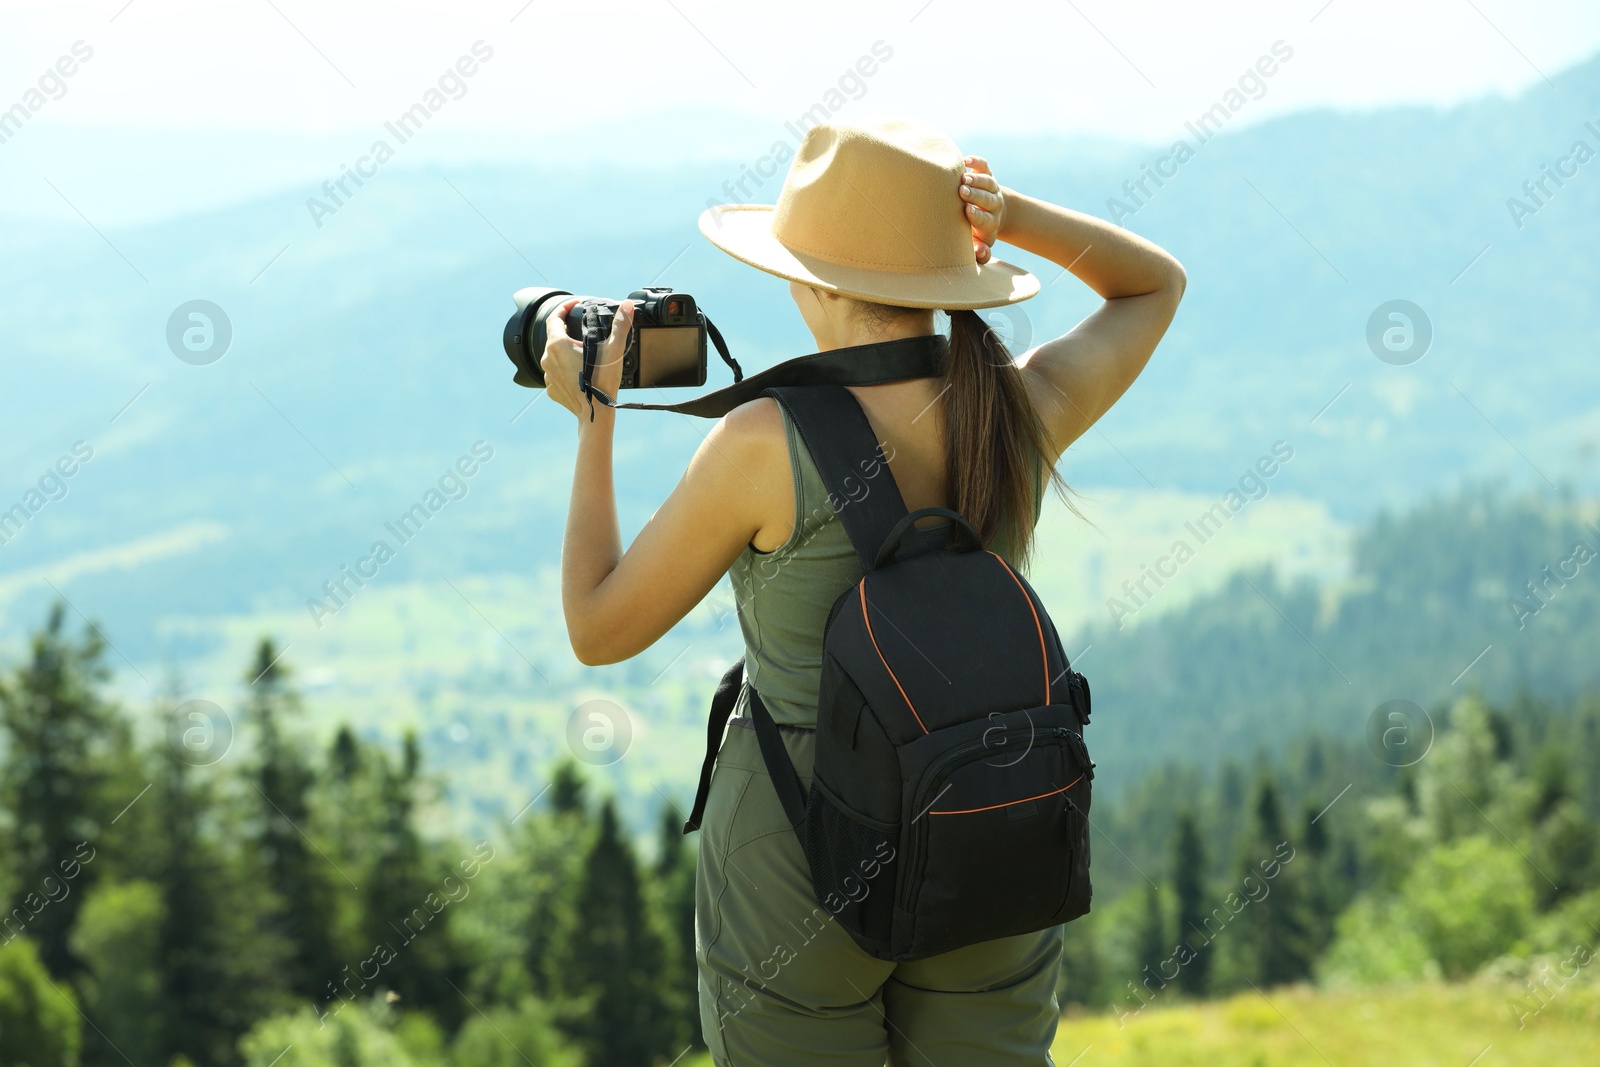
(556, 324)
(982, 214)
(984, 205)
(983, 198)
(981, 180)
(621, 323)
(555, 332)
(562, 360)
(561, 357)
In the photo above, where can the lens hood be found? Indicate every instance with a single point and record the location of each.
(524, 334)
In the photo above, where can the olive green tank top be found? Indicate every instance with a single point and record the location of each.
(783, 596)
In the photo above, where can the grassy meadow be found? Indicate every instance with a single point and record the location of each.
(1424, 1025)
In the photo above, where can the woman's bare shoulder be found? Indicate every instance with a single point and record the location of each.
(754, 420)
(751, 437)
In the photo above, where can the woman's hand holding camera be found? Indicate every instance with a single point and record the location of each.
(562, 361)
(985, 207)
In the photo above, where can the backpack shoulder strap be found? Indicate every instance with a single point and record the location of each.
(844, 449)
(722, 703)
(846, 453)
(785, 779)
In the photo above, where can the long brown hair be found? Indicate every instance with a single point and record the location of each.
(994, 434)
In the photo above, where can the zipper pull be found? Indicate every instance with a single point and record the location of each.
(1083, 754)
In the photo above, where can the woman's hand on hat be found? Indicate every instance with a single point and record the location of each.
(984, 205)
(562, 361)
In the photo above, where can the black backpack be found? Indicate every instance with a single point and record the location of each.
(949, 801)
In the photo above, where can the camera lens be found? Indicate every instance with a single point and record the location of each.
(525, 334)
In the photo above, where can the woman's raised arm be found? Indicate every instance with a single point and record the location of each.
(618, 603)
(1083, 372)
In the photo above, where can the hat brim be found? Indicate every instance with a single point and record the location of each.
(744, 231)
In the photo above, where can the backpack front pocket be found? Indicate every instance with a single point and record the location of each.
(997, 842)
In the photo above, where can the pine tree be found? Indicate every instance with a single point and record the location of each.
(1150, 939)
(1586, 739)
(567, 788)
(1566, 844)
(1082, 977)
(615, 957)
(1318, 873)
(56, 728)
(296, 873)
(217, 969)
(1189, 889)
(347, 808)
(1276, 931)
(344, 757)
(407, 912)
(674, 885)
(553, 848)
(1231, 799)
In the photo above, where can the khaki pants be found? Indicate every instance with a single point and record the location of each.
(782, 984)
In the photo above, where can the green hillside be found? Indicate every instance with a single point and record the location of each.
(225, 901)
(365, 359)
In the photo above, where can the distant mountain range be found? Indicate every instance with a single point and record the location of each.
(365, 350)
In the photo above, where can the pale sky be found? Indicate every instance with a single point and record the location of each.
(624, 70)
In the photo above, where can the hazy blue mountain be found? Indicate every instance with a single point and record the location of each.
(366, 351)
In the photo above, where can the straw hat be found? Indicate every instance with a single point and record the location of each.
(873, 211)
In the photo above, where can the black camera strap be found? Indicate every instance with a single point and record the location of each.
(871, 364)
(722, 350)
(594, 336)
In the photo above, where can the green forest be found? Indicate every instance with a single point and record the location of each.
(173, 902)
(179, 895)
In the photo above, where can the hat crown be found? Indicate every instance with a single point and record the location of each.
(881, 195)
(872, 210)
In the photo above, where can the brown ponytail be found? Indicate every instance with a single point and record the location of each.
(995, 437)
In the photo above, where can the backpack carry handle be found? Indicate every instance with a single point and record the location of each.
(892, 543)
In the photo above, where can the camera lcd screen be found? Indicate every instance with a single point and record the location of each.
(670, 355)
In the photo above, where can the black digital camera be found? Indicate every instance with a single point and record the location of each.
(665, 347)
